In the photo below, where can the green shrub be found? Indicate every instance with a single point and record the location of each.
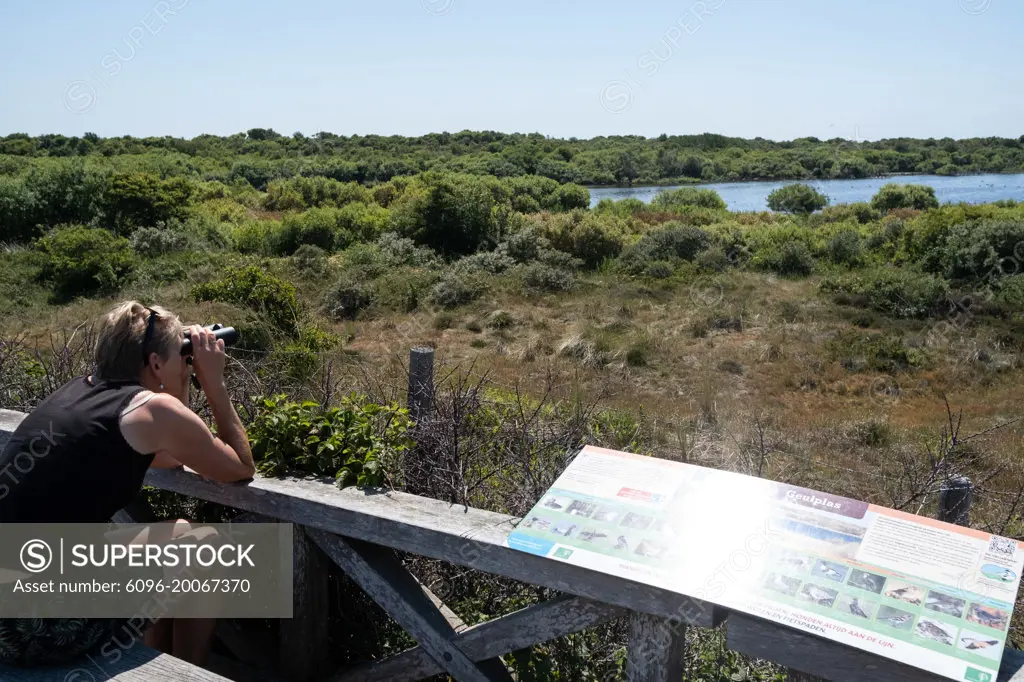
(300, 358)
(687, 196)
(314, 192)
(668, 245)
(82, 261)
(980, 250)
(859, 351)
(155, 241)
(591, 238)
(624, 208)
(453, 214)
(456, 289)
(540, 277)
(19, 211)
(713, 258)
(348, 297)
(798, 198)
(397, 251)
(489, 262)
(894, 196)
(862, 212)
(359, 443)
(572, 197)
(846, 248)
(524, 246)
(250, 286)
(1010, 293)
(897, 292)
(791, 259)
(134, 200)
(310, 260)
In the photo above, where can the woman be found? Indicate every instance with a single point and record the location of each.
(82, 454)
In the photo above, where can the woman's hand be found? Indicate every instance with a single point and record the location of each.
(208, 356)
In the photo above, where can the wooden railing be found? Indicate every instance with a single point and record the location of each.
(359, 529)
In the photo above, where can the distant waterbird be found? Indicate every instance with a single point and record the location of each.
(856, 610)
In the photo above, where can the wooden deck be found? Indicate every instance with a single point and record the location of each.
(359, 530)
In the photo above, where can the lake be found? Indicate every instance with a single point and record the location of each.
(753, 196)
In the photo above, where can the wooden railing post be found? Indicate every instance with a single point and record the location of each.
(421, 406)
(421, 383)
(656, 647)
(955, 497)
(305, 637)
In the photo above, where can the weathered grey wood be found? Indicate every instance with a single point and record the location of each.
(815, 655)
(137, 664)
(421, 383)
(379, 572)
(8, 422)
(1012, 668)
(797, 676)
(539, 623)
(430, 528)
(305, 636)
(955, 498)
(656, 647)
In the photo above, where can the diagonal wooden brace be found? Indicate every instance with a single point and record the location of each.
(379, 572)
(522, 629)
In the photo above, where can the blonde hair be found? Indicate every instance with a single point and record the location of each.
(119, 353)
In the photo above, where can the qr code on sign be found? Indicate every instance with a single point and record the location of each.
(1002, 546)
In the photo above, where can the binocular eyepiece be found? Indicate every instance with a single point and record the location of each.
(228, 334)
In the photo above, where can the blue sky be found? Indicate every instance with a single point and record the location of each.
(778, 69)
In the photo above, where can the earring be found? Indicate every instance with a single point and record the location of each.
(161, 387)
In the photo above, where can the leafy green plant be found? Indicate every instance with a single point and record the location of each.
(688, 196)
(80, 261)
(799, 198)
(894, 196)
(897, 292)
(358, 443)
(256, 289)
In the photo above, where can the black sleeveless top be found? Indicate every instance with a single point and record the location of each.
(67, 462)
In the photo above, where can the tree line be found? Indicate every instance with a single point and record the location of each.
(261, 155)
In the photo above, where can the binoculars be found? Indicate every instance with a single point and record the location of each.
(228, 334)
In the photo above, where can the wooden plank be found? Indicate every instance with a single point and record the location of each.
(137, 664)
(305, 636)
(236, 671)
(656, 647)
(814, 655)
(430, 528)
(535, 624)
(379, 572)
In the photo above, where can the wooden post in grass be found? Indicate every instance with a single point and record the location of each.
(421, 406)
(955, 498)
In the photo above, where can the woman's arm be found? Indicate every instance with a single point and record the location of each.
(166, 426)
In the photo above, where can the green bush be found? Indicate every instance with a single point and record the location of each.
(791, 259)
(134, 200)
(1010, 293)
(798, 198)
(359, 443)
(453, 214)
(19, 211)
(300, 193)
(348, 297)
(859, 351)
(862, 212)
(82, 261)
(250, 286)
(687, 196)
(456, 289)
(894, 195)
(846, 248)
(155, 241)
(897, 292)
(310, 260)
(397, 251)
(668, 245)
(980, 250)
(540, 277)
(489, 262)
(591, 238)
(624, 208)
